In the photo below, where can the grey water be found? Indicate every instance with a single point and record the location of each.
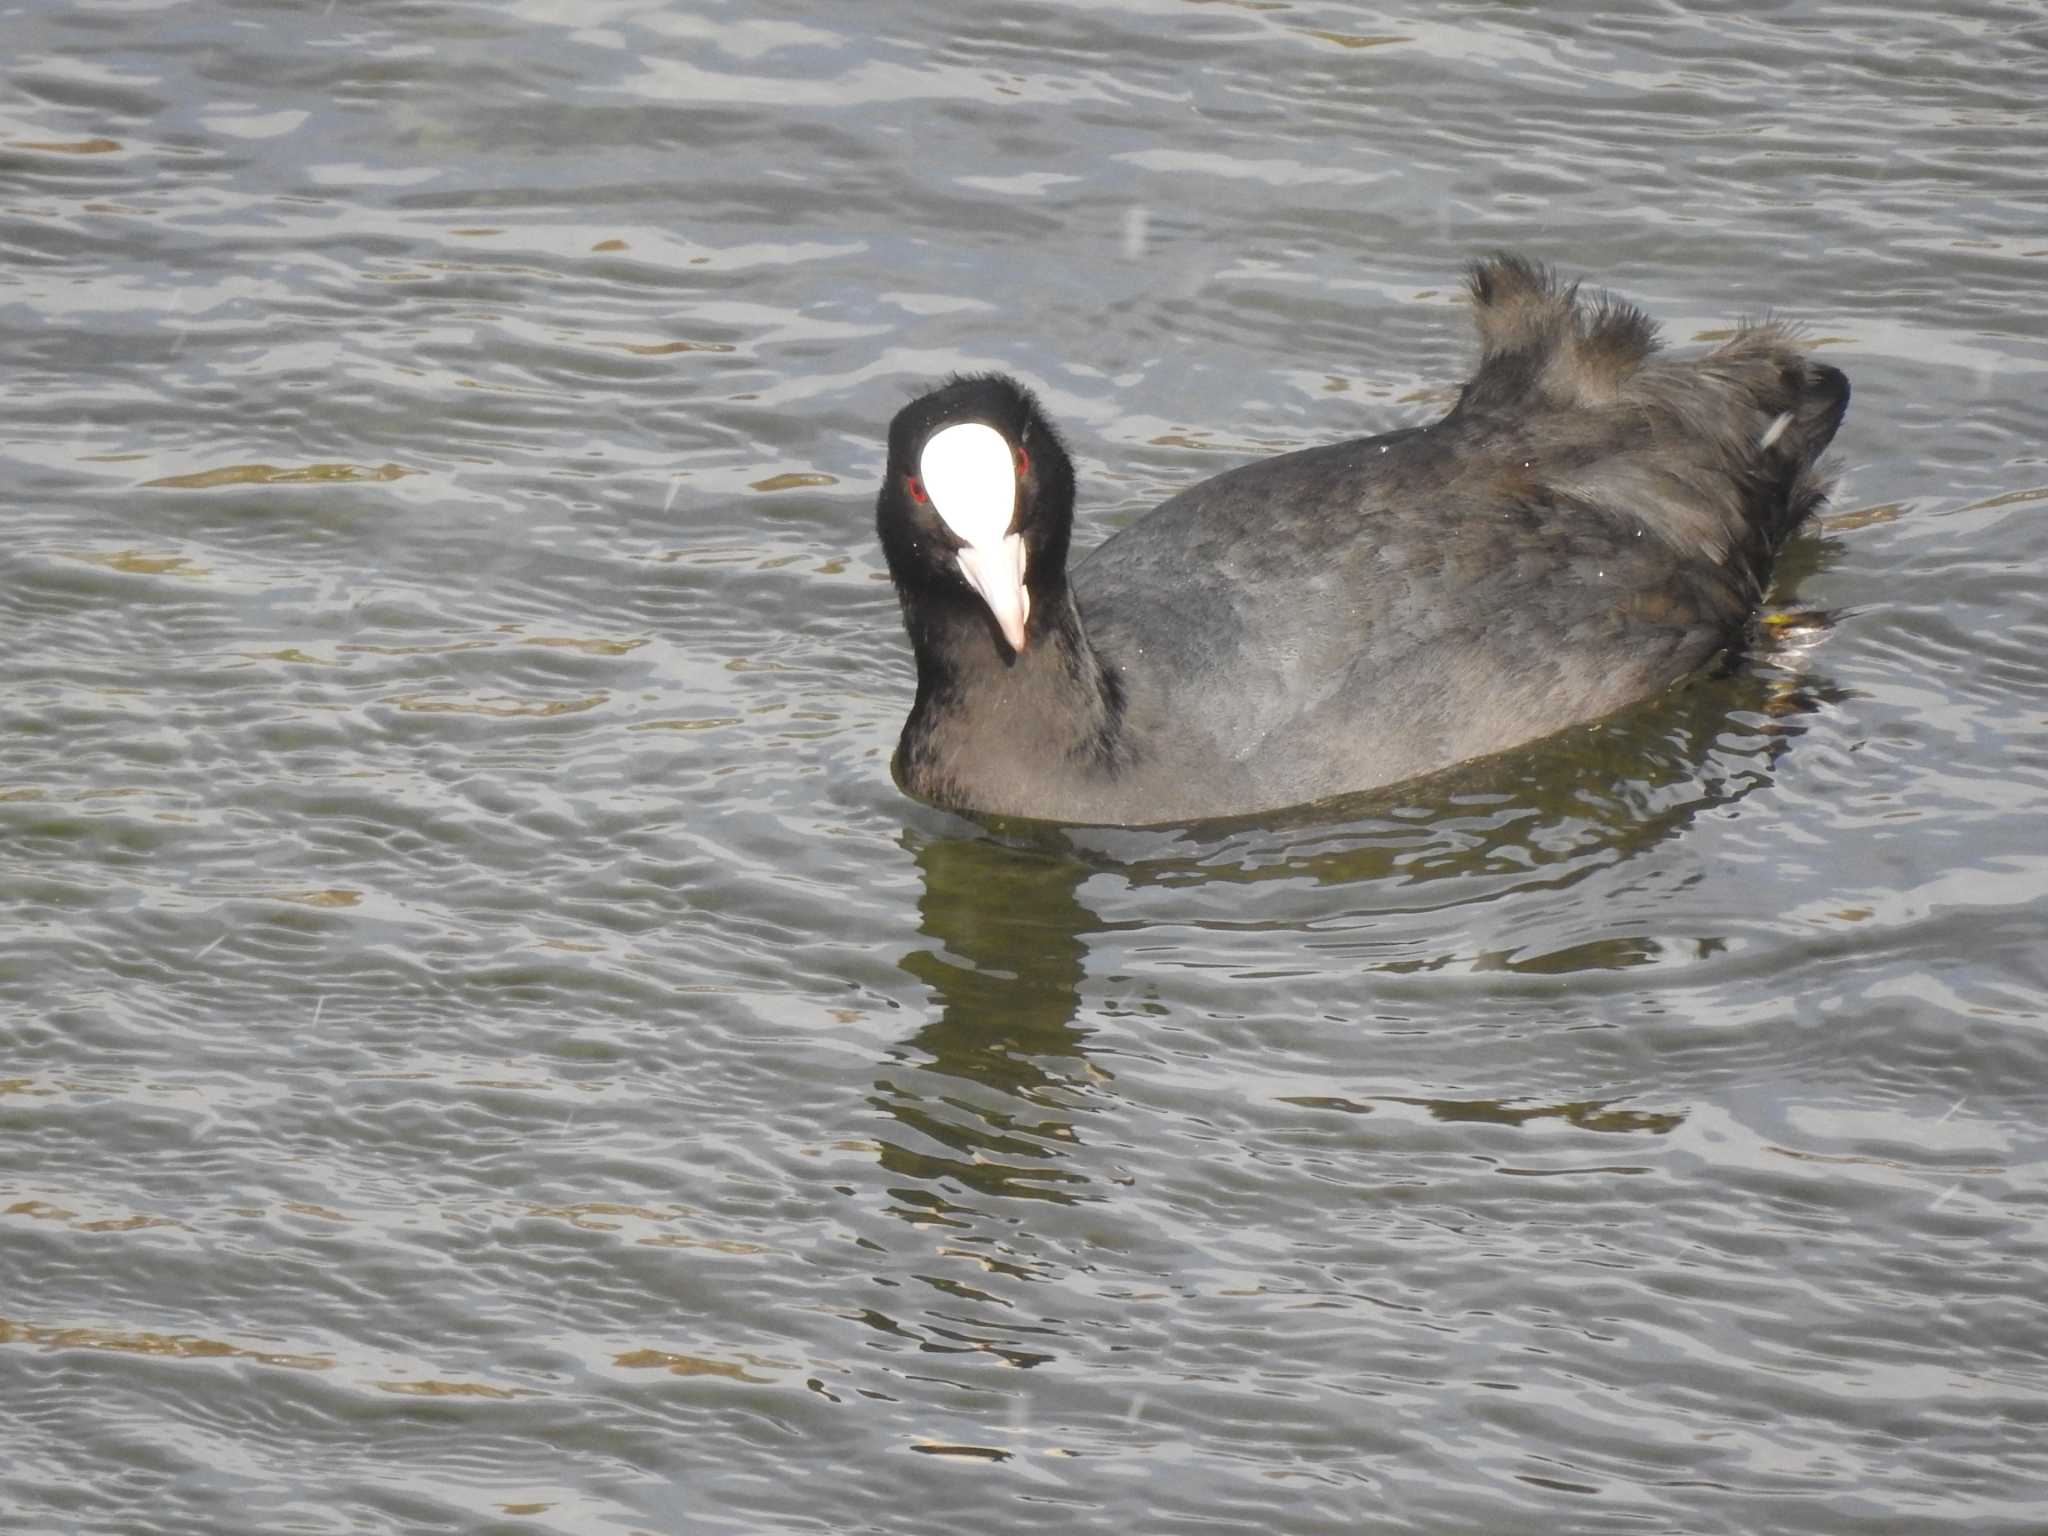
(485, 1047)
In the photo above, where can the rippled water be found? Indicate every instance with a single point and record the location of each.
(483, 1046)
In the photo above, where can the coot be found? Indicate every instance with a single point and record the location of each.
(1591, 521)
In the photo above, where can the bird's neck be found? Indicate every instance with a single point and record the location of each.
(1049, 716)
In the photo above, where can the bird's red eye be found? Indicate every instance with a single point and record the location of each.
(915, 486)
(1023, 462)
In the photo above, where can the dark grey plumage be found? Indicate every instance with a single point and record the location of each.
(1591, 521)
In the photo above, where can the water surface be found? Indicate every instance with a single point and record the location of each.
(483, 1045)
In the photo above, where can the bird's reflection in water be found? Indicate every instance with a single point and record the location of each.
(988, 1092)
(988, 1099)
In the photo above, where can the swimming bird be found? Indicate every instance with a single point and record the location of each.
(1591, 521)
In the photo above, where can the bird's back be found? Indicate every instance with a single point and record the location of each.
(1590, 522)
